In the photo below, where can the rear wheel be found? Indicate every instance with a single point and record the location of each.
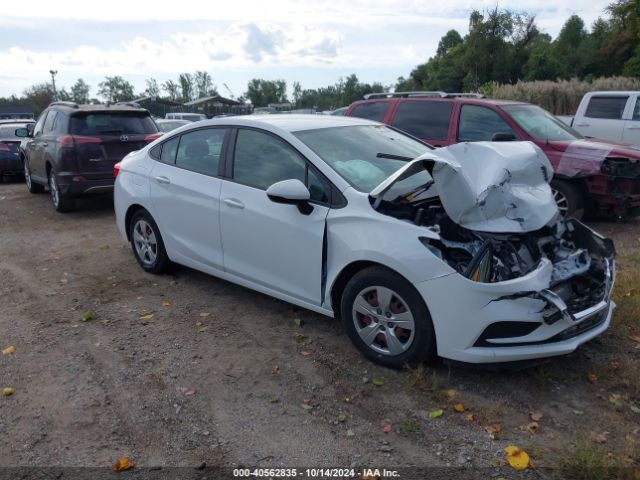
(61, 202)
(568, 198)
(147, 244)
(31, 185)
(387, 319)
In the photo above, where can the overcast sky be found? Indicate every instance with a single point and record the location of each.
(313, 42)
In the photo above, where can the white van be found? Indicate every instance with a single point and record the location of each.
(192, 117)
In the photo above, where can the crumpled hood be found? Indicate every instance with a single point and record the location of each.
(499, 187)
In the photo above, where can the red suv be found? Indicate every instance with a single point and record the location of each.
(594, 175)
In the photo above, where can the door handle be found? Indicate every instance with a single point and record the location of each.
(163, 179)
(582, 124)
(233, 203)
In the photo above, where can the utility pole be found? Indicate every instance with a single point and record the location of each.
(53, 81)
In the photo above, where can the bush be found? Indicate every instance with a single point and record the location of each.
(561, 97)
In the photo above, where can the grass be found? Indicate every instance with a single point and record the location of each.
(588, 461)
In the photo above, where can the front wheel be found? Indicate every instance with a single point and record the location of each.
(387, 319)
(147, 244)
(568, 198)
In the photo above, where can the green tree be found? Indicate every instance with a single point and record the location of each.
(172, 89)
(568, 47)
(80, 91)
(543, 64)
(39, 95)
(186, 86)
(263, 92)
(152, 90)
(115, 89)
(451, 39)
(204, 84)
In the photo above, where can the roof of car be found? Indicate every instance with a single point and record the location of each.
(290, 123)
(115, 107)
(490, 101)
(8, 121)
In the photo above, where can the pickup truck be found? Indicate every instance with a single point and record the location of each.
(595, 176)
(611, 116)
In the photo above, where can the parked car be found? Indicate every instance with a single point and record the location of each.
(459, 252)
(191, 117)
(611, 116)
(10, 164)
(597, 176)
(167, 125)
(72, 148)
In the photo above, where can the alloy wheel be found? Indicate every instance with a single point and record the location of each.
(53, 188)
(27, 175)
(562, 201)
(145, 242)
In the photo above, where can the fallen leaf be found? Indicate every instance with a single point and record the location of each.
(204, 314)
(378, 382)
(532, 427)
(299, 337)
(458, 407)
(199, 323)
(614, 365)
(592, 377)
(298, 322)
(634, 408)
(387, 427)
(146, 317)
(631, 292)
(616, 399)
(7, 391)
(274, 400)
(342, 417)
(86, 316)
(307, 401)
(8, 350)
(471, 417)
(64, 280)
(275, 369)
(599, 437)
(518, 459)
(122, 464)
(493, 430)
(551, 436)
(635, 338)
(350, 433)
(451, 393)
(536, 416)
(166, 304)
(435, 413)
(305, 354)
(190, 393)
(306, 406)
(578, 412)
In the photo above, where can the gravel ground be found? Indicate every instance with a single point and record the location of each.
(185, 369)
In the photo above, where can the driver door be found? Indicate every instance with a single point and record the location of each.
(272, 244)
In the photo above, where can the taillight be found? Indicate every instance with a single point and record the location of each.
(116, 169)
(4, 147)
(72, 140)
(152, 136)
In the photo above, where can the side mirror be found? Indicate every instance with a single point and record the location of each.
(503, 137)
(291, 192)
(22, 132)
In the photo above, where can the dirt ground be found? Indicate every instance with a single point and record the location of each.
(185, 369)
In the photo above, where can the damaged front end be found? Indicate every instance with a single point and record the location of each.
(530, 277)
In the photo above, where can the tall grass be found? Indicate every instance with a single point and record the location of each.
(561, 97)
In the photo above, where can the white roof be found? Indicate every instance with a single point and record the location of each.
(290, 123)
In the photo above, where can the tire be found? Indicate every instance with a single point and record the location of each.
(31, 185)
(147, 244)
(61, 202)
(408, 346)
(569, 199)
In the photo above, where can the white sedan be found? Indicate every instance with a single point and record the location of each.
(457, 252)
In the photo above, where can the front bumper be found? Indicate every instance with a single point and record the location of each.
(509, 321)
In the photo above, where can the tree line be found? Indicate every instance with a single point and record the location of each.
(501, 47)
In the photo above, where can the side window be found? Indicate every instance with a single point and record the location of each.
(371, 110)
(37, 130)
(169, 150)
(261, 160)
(636, 110)
(199, 151)
(606, 107)
(426, 120)
(48, 124)
(480, 124)
(318, 188)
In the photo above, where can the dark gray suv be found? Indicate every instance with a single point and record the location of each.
(72, 148)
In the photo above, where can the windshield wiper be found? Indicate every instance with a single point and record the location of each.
(391, 156)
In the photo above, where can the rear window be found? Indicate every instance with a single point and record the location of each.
(606, 107)
(371, 111)
(106, 123)
(425, 120)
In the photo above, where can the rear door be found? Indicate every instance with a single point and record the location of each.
(631, 133)
(102, 139)
(427, 120)
(603, 117)
(185, 191)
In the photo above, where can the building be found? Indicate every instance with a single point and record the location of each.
(15, 111)
(216, 105)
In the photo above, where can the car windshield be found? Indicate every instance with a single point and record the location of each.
(106, 123)
(365, 155)
(540, 124)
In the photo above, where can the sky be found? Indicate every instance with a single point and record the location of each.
(312, 42)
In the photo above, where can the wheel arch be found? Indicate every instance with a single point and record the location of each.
(129, 215)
